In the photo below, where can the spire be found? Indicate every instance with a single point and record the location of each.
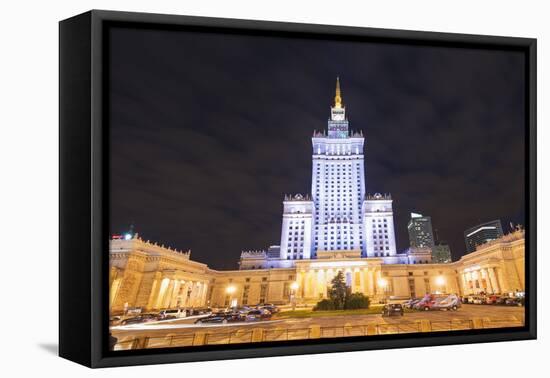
(338, 95)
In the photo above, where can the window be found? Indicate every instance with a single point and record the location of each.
(427, 284)
(246, 290)
(263, 293)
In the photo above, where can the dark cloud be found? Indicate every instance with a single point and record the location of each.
(209, 131)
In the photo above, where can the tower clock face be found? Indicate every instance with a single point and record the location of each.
(338, 114)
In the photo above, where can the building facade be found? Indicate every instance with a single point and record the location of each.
(483, 233)
(153, 277)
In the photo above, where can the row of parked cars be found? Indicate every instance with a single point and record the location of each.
(429, 302)
(158, 316)
(241, 314)
(450, 302)
(204, 315)
(493, 299)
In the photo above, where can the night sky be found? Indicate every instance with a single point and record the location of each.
(209, 131)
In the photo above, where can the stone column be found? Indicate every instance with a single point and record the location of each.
(464, 283)
(307, 284)
(205, 298)
(174, 294)
(494, 280)
(169, 294)
(315, 285)
(371, 286)
(202, 295)
(488, 281)
(362, 280)
(469, 280)
(193, 295)
(301, 282)
(324, 283)
(158, 294)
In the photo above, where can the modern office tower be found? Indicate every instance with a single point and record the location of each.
(420, 231)
(481, 234)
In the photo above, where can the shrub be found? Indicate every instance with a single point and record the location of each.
(356, 301)
(325, 305)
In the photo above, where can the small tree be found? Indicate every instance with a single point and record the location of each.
(338, 291)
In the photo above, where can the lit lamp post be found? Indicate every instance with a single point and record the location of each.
(293, 289)
(440, 283)
(230, 290)
(383, 284)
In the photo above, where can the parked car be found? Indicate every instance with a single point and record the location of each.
(514, 301)
(451, 302)
(424, 303)
(410, 303)
(491, 299)
(172, 314)
(143, 318)
(268, 306)
(475, 299)
(115, 320)
(221, 317)
(199, 311)
(242, 310)
(501, 300)
(441, 302)
(393, 309)
(256, 315)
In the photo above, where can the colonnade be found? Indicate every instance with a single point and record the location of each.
(314, 282)
(169, 292)
(481, 280)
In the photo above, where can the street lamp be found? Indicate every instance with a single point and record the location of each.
(230, 290)
(293, 288)
(440, 282)
(384, 285)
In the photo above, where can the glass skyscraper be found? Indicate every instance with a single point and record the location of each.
(420, 231)
(481, 234)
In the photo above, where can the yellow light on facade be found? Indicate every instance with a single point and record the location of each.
(294, 286)
(382, 282)
(440, 280)
(230, 289)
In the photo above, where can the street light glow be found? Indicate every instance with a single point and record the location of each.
(440, 280)
(294, 286)
(382, 282)
(230, 289)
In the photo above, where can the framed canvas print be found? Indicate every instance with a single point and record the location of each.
(234, 188)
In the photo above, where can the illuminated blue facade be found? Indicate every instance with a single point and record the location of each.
(338, 216)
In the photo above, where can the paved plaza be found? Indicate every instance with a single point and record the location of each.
(183, 332)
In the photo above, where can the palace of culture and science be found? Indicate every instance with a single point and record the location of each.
(338, 217)
(336, 228)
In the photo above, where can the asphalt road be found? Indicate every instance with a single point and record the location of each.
(182, 331)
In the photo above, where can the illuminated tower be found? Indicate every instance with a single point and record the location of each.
(338, 184)
(339, 216)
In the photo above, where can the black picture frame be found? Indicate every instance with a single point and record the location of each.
(84, 202)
